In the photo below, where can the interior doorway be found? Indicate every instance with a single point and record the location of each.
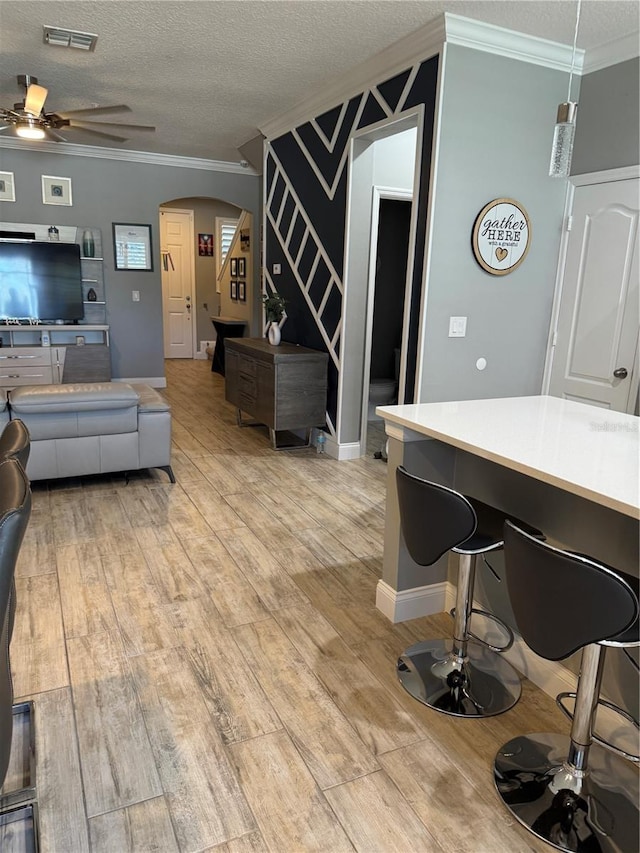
(178, 274)
(383, 165)
(390, 232)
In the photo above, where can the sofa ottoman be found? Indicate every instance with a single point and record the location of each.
(93, 428)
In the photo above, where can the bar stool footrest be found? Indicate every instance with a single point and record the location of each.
(494, 618)
(560, 700)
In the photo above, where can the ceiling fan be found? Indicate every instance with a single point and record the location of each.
(29, 120)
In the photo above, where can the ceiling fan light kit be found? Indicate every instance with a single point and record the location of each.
(29, 128)
(29, 121)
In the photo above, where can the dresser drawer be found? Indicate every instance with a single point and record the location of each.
(32, 375)
(24, 356)
(247, 366)
(248, 386)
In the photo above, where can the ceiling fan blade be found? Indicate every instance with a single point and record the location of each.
(91, 132)
(53, 134)
(34, 102)
(95, 111)
(110, 124)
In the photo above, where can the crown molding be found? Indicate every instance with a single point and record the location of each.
(511, 44)
(620, 50)
(128, 156)
(417, 47)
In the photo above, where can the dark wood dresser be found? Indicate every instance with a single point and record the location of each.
(283, 387)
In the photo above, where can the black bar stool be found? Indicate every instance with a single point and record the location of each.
(570, 791)
(455, 676)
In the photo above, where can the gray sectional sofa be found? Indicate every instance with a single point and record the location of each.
(91, 428)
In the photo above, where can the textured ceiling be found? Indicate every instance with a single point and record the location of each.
(207, 74)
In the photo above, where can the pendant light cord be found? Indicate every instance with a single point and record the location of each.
(573, 53)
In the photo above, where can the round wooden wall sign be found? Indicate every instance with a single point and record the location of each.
(501, 236)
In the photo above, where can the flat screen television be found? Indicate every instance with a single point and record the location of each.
(40, 281)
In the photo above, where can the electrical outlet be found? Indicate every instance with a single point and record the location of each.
(277, 269)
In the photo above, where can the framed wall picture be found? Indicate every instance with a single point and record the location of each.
(7, 186)
(132, 246)
(233, 267)
(242, 291)
(501, 236)
(242, 267)
(56, 190)
(245, 239)
(233, 289)
(205, 245)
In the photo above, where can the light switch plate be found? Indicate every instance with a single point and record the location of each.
(277, 269)
(135, 295)
(457, 327)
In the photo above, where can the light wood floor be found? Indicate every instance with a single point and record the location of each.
(210, 671)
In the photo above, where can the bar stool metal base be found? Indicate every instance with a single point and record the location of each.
(596, 810)
(482, 684)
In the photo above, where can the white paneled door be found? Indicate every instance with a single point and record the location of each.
(596, 351)
(177, 264)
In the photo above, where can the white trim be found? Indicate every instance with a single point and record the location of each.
(418, 47)
(611, 53)
(100, 153)
(341, 452)
(624, 173)
(512, 44)
(154, 381)
(379, 193)
(405, 604)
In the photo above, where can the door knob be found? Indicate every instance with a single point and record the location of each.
(620, 373)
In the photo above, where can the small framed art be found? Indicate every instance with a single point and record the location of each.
(56, 190)
(233, 266)
(242, 267)
(233, 289)
(242, 291)
(205, 245)
(132, 246)
(7, 186)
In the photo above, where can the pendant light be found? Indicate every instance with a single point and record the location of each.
(565, 128)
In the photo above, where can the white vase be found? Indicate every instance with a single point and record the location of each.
(274, 334)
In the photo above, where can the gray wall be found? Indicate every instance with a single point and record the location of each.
(608, 122)
(107, 191)
(495, 141)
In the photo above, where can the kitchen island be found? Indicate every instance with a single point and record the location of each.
(570, 469)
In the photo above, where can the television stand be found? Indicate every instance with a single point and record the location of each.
(75, 353)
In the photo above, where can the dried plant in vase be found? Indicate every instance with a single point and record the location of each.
(274, 311)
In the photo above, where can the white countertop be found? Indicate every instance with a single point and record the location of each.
(582, 449)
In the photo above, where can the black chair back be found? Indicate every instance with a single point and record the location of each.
(433, 518)
(563, 601)
(15, 509)
(15, 442)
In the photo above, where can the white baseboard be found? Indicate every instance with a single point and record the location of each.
(410, 603)
(154, 381)
(342, 451)
(549, 676)
(200, 356)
